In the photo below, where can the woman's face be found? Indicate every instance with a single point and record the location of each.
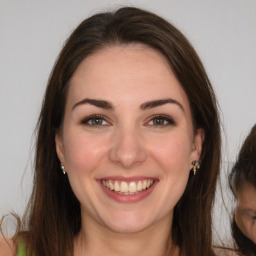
(246, 211)
(127, 141)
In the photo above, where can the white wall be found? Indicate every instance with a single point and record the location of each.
(32, 33)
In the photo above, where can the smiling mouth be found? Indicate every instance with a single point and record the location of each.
(127, 188)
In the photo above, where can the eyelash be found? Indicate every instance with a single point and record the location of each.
(165, 121)
(94, 117)
(164, 118)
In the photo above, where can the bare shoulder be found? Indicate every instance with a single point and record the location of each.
(7, 247)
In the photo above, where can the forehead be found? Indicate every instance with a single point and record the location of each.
(132, 72)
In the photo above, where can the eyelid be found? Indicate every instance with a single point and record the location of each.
(162, 116)
(85, 120)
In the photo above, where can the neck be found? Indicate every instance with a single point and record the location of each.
(98, 240)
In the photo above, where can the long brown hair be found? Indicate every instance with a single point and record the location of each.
(243, 172)
(53, 215)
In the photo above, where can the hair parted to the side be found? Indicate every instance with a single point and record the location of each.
(243, 172)
(53, 215)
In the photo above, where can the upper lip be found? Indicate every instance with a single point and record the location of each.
(128, 179)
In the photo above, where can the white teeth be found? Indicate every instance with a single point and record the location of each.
(144, 184)
(132, 187)
(139, 186)
(111, 186)
(116, 186)
(126, 188)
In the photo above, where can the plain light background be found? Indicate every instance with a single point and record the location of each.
(32, 33)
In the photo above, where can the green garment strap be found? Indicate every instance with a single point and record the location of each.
(21, 250)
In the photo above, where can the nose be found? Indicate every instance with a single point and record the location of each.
(127, 149)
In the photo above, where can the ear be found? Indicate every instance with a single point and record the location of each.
(59, 148)
(197, 145)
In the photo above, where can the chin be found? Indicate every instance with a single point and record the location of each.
(128, 224)
(127, 228)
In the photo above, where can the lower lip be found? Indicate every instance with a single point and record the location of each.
(121, 198)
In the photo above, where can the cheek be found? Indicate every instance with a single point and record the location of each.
(173, 152)
(254, 233)
(82, 153)
(243, 223)
(82, 156)
(172, 156)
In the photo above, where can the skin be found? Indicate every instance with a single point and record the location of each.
(127, 142)
(245, 215)
(7, 247)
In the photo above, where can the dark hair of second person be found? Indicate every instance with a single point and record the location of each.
(242, 182)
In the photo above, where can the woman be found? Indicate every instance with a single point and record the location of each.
(128, 145)
(242, 181)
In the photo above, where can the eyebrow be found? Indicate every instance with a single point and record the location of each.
(157, 103)
(147, 105)
(98, 103)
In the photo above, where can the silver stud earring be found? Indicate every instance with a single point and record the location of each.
(63, 169)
